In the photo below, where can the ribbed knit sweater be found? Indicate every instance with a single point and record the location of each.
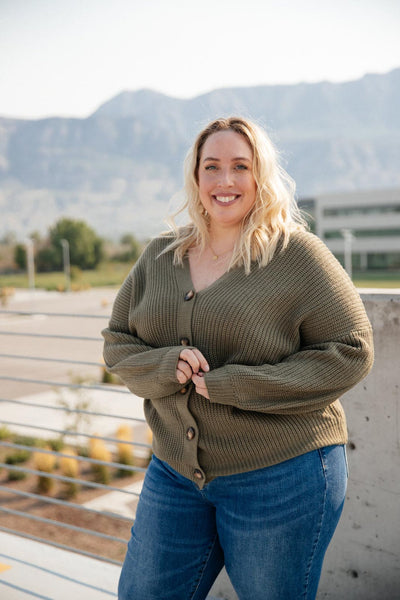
(283, 343)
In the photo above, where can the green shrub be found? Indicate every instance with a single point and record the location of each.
(76, 273)
(16, 475)
(83, 451)
(20, 456)
(26, 440)
(5, 433)
(56, 445)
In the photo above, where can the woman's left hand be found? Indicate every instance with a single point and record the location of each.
(199, 382)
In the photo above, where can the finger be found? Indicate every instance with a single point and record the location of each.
(183, 372)
(181, 377)
(195, 359)
(185, 368)
(199, 382)
(204, 366)
(191, 359)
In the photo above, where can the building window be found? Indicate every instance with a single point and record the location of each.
(361, 210)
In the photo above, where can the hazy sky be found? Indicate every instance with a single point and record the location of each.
(66, 57)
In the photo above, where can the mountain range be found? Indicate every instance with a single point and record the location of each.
(120, 169)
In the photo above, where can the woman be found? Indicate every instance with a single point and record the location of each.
(241, 330)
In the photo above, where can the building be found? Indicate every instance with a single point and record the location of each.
(363, 223)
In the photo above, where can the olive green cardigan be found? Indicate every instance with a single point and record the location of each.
(283, 343)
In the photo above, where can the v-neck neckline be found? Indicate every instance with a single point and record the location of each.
(187, 281)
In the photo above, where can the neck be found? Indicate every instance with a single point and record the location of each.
(223, 239)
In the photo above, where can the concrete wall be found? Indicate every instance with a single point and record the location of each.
(363, 560)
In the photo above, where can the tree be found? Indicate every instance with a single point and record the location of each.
(132, 248)
(47, 259)
(20, 256)
(85, 247)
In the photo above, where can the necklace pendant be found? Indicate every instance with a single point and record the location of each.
(215, 257)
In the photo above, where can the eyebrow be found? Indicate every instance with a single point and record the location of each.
(233, 159)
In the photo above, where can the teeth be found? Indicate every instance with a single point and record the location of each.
(225, 198)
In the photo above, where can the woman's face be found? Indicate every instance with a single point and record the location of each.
(227, 186)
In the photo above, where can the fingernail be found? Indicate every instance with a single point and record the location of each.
(206, 368)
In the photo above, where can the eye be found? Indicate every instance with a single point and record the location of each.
(210, 168)
(241, 167)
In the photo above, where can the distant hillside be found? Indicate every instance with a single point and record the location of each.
(119, 168)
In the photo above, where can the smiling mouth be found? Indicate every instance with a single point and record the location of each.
(226, 199)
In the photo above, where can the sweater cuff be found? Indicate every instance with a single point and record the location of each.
(168, 365)
(220, 386)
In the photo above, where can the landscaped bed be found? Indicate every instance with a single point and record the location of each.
(76, 495)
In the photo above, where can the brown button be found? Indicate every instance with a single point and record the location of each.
(198, 474)
(190, 433)
(189, 295)
(183, 390)
(185, 341)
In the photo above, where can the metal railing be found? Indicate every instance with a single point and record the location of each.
(57, 511)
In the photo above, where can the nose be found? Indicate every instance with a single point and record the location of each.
(225, 178)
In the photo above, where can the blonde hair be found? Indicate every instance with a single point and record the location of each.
(273, 216)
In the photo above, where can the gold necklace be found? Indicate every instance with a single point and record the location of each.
(216, 256)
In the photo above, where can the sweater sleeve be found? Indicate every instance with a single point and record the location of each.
(334, 354)
(306, 381)
(147, 372)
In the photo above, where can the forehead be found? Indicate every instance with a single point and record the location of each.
(226, 143)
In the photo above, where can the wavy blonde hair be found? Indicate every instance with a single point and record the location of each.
(273, 216)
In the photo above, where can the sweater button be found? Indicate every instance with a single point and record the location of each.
(185, 341)
(198, 474)
(183, 390)
(189, 295)
(190, 433)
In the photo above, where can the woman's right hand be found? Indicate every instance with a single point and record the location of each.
(190, 361)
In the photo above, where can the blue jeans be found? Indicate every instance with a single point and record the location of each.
(270, 528)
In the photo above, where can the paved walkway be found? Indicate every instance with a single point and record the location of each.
(31, 569)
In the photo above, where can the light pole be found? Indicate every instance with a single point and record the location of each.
(30, 263)
(348, 242)
(66, 261)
